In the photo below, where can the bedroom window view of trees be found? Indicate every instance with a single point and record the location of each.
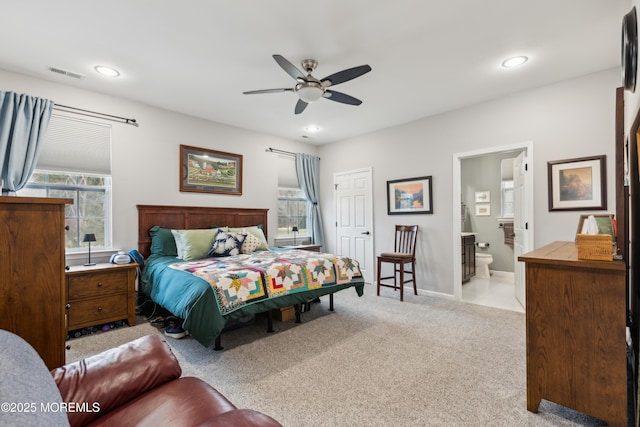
(292, 211)
(89, 212)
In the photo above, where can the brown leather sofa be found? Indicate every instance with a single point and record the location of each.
(138, 383)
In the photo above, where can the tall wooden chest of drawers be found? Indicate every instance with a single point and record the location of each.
(32, 259)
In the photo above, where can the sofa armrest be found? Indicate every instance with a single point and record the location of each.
(113, 377)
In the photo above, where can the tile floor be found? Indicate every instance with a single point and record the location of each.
(497, 291)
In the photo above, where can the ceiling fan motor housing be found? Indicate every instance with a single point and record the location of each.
(309, 65)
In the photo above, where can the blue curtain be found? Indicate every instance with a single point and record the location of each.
(23, 122)
(308, 171)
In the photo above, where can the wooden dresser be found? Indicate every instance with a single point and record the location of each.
(576, 319)
(32, 260)
(101, 293)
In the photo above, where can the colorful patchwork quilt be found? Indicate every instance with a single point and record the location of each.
(242, 279)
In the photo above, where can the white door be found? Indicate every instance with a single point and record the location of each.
(354, 218)
(521, 239)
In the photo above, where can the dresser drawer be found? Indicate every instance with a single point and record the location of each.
(97, 284)
(97, 310)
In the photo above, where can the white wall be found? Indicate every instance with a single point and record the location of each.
(566, 120)
(145, 159)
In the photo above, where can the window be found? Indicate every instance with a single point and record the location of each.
(292, 211)
(89, 212)
(292, 205)
(507, 199)
(506, 187)
(75, 163)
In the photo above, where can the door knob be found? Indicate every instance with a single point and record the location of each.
(365, 232)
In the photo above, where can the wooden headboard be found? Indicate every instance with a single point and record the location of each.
(189, 217)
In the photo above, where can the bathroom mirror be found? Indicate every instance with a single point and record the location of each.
(506, 187)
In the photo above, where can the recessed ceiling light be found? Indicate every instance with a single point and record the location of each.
(514, 61)
(107, 71)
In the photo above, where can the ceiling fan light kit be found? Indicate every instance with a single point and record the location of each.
(309, 89)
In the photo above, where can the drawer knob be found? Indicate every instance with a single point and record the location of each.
(99, 284)
(99, 308)
(68, 306)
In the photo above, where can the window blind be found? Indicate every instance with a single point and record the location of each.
(287, 177)
(74, 145)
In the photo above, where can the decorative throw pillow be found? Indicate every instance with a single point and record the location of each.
(227, 244)
(194, 244)
(257, 232)
(251, 243)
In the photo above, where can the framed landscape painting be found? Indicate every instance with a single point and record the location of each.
(210, 171)
(410, 196)
(578, 184)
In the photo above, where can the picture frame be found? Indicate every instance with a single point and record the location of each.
(209, 171)
(410, 196)
(483, 209)
(483, 196)
(577, 184)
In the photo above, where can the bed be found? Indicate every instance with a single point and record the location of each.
(212, 291)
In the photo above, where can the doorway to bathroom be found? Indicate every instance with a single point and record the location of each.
(494, 198)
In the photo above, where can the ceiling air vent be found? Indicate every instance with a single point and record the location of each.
(66, 73)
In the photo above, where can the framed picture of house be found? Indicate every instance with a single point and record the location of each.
(577, 184)
(410, 196)
(209, 171)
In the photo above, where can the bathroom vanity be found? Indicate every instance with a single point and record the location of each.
(468, 256)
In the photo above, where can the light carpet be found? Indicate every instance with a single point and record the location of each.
(373, 362)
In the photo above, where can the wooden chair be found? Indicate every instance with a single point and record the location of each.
(404, 253)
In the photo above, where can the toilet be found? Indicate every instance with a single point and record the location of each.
(482, 265)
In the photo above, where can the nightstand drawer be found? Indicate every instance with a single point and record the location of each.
(97, 284)
(96, 310)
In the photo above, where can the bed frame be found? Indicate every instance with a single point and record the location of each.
(191, 217)
(188, 217)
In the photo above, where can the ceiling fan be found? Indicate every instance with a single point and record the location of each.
(309, 89)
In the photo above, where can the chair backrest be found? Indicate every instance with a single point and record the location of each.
(406, 239)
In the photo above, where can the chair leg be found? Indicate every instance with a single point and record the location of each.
(413, 273)
(379, 276)
(401, 281)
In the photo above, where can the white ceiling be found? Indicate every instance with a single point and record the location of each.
(198, 56)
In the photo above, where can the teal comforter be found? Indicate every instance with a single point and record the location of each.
(196, 299)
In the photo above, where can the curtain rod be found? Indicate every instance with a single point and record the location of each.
(95, 114)
(286, 153)
(275, 150)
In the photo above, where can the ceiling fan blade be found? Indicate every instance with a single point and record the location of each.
(345, 75)
(341, 97)
(300, 106)
(291, 69)
(253, 92)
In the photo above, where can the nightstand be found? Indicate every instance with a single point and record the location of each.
(100, 293)
(309, 247)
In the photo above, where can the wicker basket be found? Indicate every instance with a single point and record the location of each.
(594, 247)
